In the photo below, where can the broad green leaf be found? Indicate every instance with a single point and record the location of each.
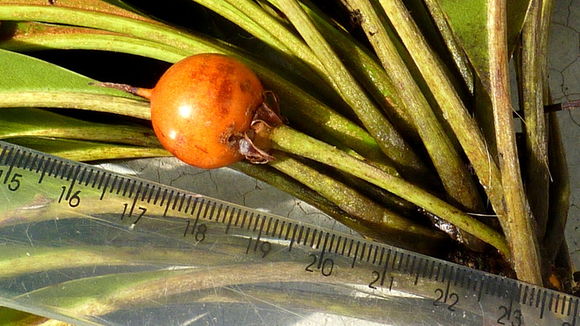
(468, 20)
(30, 82)
(31, 122)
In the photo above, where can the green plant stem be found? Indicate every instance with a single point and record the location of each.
(252, 18)
(455, 112)
(307, 112)
(366, 69)
(559, 193)
(392, 144)
(456, 179)
(289, 140)
(346, 205)
(399, 229)
(72, 100)
(78, 150)
(32, 122)
(537, 174)
(459, 57)
(88, 39)
(522, 237)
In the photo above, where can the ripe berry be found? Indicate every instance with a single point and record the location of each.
(205, 108)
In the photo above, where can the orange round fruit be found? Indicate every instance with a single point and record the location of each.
(202, 106)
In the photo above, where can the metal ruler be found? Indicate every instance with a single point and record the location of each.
(90, 246)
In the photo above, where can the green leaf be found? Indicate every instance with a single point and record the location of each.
(300, 107)
(31, 122)
(80, 150)
(30, 82)
(12, 317)
(468, 20)
(33, 36)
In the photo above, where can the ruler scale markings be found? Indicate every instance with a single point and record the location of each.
(175, 200)
(344, 241)
(256, 221)
(76, 171)
(300, 234)
(135, 200)
(362, 252)
(448, 286)
(315, 241)
(189, 197)
(292, 239)
(244, 217)
(525, 297)
(275, 227)
(322, 251)
(52, 167)
(222, 212)
(251, 216)
(4, 150)
(112, 185)
(350, 247)
(96, 177)
(60, 172)
(120, 185)
(443, 274)
(36, 163)
(194, 206)
(369, 252)
(306, 236)
(543, 307)
(231, 217)
(238, 214)
(380, 261)
(338, 243)
(165, 192)
(411, 267)
(203, 206)
(457, 276)
(331, 243)
(210, 209)
(376, 252)
(418, 271)
(259, 233)
(531, 302)
(104, 177)
(157, 195)
(179, 209)
(24, 160)
(90, 176)
(151, 192)
(48, 162)
(129, 186)
(354, 257)
(12, 157)
(575, 314)
(539, 297)
(40, 165)
(282, 225)
(406, 263)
